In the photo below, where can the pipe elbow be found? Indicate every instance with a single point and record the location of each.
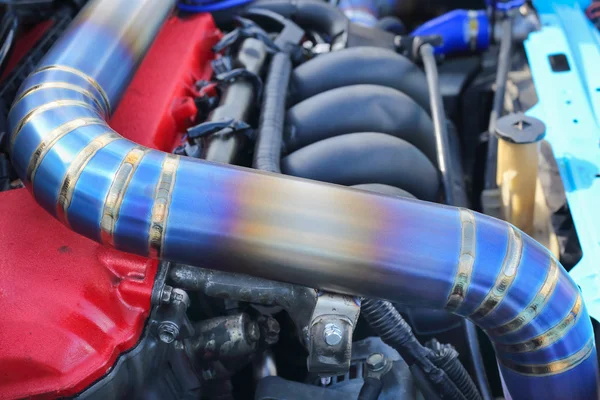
(528, 305)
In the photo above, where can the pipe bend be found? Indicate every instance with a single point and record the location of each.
(360, 65)
(282, 228)
(359, 108)
(348, 160)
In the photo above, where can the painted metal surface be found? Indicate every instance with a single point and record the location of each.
(71, 306)
(282, 228)
(569, 105)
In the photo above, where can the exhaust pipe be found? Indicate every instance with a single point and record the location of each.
(281, 228)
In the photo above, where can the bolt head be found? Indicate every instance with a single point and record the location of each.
(168, 332)
(332, 334)
(376, 362)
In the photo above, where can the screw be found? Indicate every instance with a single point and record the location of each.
(376, 362)
(332, 334)
(168, 332)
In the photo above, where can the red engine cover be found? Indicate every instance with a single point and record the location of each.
(70, 306)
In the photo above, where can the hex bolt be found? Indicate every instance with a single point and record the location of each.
(168, 332)
(332, 334)
(376, 362)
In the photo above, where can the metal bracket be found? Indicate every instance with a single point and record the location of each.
(171, 321)
(330, 334)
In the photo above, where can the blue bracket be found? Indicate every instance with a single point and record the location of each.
(569, 104)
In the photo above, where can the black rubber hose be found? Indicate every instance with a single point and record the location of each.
(439, 121)
(504, 64)
(445, 357)
(359, 108)
(387, 323)
(371, 389)
(366, 157)
(359, 65)
(311, 15)
(392, 24)
(267, 151)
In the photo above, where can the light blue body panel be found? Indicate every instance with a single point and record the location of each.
(569, 105)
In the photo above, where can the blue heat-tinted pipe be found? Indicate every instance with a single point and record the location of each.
(324, 236)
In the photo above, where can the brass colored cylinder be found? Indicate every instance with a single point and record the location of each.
(519, 137)
(516, 176)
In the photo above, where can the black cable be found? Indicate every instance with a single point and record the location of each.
(445, 357)
(504, 63)
(267, 152)
(387, 323)
(371, 389)
(439, 121)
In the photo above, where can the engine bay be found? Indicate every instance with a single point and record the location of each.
(296, 199)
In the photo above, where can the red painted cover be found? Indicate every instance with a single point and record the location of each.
(69, 306)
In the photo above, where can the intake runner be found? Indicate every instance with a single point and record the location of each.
(194, 212)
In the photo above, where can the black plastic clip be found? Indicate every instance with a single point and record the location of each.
(193, 146)
(224, 127)
(247, 29)
(221, 65)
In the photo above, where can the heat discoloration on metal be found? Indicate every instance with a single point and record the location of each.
(67, 86)
(552, 368)
(466, 260)
(535, 307)
(160, 208)
(118, 188)
(74, 171)
(549, 337)
(50, 140)
(42, 109)
(506, 277)
(65, 68)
